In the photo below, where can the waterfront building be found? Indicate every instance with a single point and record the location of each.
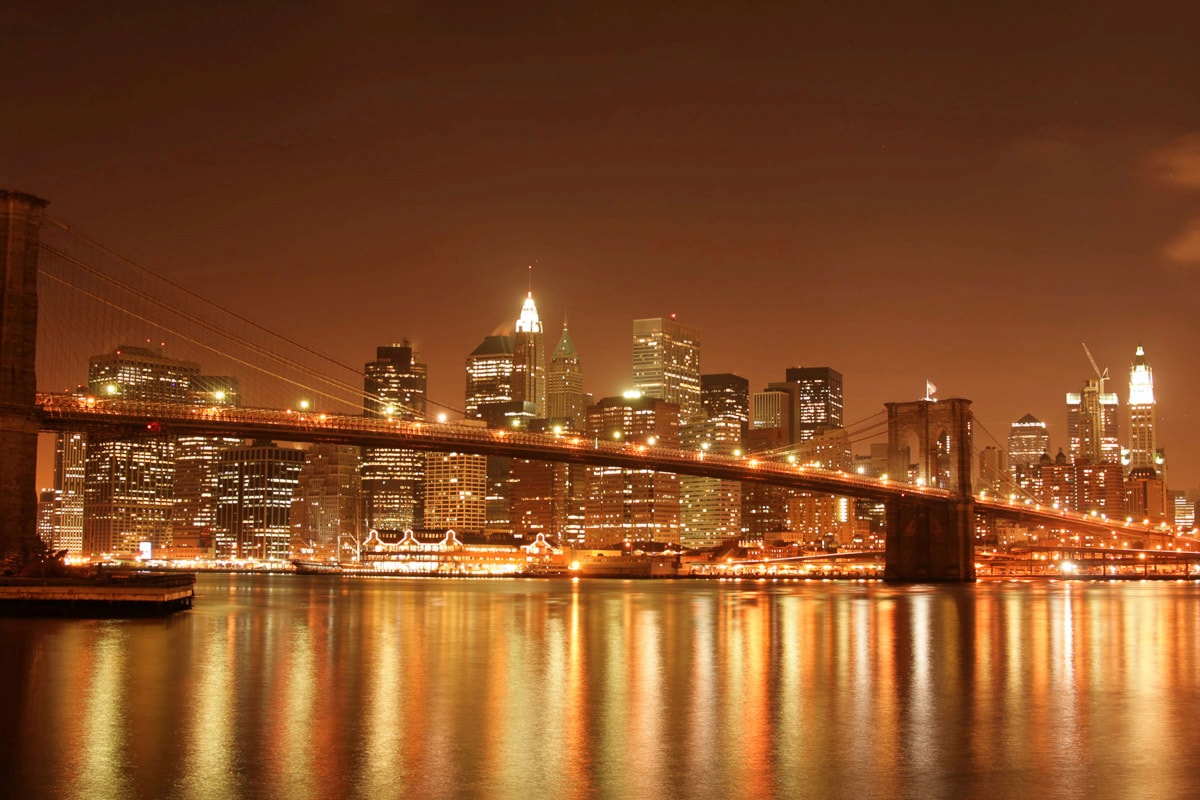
(255, 486)
(710, 509)
(566, 403)
(632, 505)
(328, 501)
(196, 459)
(393, 478)
(456, 487)
(666, 364)
(129, 486)
(70, 466)
(539, 499)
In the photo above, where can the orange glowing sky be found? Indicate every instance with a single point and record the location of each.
(960, 192)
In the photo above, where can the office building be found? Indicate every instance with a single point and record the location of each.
(817, 398)
(456, 487)
(666, 364)
(328, 501)
(726, 396)
(255, 487)
(393, 478)
(1143, 446)
(129, 486)
(1092, 424)
(529, 359)
(566, 402)
(490, 375)
(632, 505)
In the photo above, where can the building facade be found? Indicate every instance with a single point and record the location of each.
(632, 505)
(666, 363)
(393, 478)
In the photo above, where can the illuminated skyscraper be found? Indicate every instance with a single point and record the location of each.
(393, 478)
(196, 461)
(1143, 449)
(1092, 424)
(327, 502)
(70, 464)
(666, 364)
(129, 486)
(255, 485)
(565, 400)
(632, 504)
(490, 375)
(818, 399)
(529, 359)
(726, 396)
(456, 492)
(1028, 439)
(710, 509)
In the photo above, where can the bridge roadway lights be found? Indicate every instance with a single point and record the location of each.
(929, 540)
(20, 226)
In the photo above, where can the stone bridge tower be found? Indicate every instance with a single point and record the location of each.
(931, 539)
(20, 227)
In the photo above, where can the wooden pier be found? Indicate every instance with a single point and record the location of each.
(111, 594)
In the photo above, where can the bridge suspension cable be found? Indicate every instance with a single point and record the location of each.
(225, 333)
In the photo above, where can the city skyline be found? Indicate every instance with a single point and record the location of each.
(902, 210)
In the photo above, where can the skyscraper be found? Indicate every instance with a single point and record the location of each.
(1143, 449)
(255, 485)
(490, 375)
(1028, 442)
(327, 502)
(456, 492)
(393, 478)
(1028, 439)
(566, 402)
(632, 504)
(1092, 424)
(529, 359)
(129, 486)
(818, 399)
(726, 396)
(666, 364)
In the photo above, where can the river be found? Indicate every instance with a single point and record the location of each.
(320, 687)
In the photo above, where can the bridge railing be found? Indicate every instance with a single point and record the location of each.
(289, 421)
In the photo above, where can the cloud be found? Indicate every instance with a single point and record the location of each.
(1185, 248)
(1178, 162)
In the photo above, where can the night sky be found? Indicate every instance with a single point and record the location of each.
(955, 191)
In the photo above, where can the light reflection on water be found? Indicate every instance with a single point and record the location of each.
(319, 687)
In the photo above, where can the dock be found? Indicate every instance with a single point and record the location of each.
(107, 595)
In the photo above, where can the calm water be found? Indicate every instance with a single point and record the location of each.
(320, 687)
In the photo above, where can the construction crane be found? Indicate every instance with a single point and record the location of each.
(1103, 376)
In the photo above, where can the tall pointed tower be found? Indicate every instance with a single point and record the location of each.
(1143, 448)
(565, 400)
(529, 358)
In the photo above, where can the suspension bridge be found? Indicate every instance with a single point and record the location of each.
(62, 290)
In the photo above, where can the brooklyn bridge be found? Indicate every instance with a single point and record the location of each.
(932, 514)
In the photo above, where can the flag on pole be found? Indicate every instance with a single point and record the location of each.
(930, 389)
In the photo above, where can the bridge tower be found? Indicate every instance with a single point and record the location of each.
(931, 539)
(20, 227)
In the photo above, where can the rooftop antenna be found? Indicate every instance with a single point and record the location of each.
(1103, 376)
